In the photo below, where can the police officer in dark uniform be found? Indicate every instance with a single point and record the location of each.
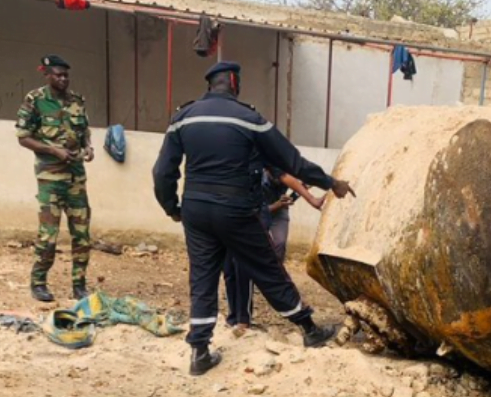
(218, 136)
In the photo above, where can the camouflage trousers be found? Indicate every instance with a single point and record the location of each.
(55, 197)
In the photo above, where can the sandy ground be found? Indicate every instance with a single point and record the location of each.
(127, 361)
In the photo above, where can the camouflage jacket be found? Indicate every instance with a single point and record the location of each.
(55, 123)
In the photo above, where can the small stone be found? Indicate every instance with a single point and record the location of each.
(417, 371)
(461, 391)
(176, 302)
(407, 381)
(308, 381)
(102, 246)
(386, 391)
(364, 390)
(472, 383)
(217, 388)
(452, 373)
(391, 371)
(451, 387)
(297, 358)
(257, 389)
(277, 335)
(266, 368)
(152, 249)
(141, 247)
(330, 392)
(403, 392)
(73, 373)
(420, 384)
(275, 347)
(439, 371)
(14, 244)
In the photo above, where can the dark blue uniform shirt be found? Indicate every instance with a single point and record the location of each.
(219, 136)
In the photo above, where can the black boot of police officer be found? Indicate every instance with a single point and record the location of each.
(202, 360)
(219, 136)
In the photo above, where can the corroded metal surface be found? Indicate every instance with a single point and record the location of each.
(434, 273)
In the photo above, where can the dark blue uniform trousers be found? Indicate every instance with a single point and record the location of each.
(240, 291)
(238, 284)
(211, 231)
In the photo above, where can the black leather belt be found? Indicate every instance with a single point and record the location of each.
(220, 189)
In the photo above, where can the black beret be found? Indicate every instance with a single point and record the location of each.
(54, 60)
(222, 67)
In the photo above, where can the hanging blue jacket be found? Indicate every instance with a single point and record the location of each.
(404, 61)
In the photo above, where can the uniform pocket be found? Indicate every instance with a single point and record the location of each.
(50, 126)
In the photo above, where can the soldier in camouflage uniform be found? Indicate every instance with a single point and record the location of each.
(53, 123)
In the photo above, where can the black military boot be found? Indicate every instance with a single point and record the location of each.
(202, 360)
(41, 293)
(313, 335)
(80, 291)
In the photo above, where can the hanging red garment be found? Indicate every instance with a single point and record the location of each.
(73, 5)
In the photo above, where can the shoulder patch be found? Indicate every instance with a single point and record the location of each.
(247, 105)
(180, 107)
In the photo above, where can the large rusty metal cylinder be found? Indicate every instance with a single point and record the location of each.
(417, 239)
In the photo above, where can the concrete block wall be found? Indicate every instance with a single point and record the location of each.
(481, 31)
(471, 86)
(473, 72)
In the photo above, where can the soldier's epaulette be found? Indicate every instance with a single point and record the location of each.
(248, 105)
(36, 94)
(180, 107)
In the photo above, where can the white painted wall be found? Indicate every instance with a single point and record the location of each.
(255, 51)
(309, 93)
(121, 195)
(359, 88)
(437, 82)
